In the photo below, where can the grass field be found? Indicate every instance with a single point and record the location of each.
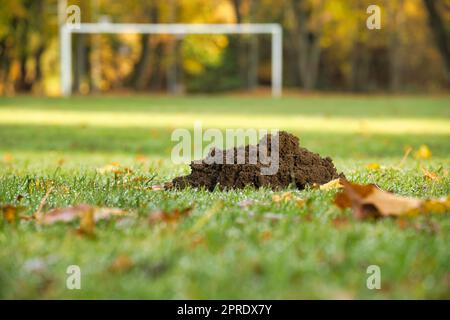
(221, 250)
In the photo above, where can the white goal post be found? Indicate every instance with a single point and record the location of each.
(67, 29)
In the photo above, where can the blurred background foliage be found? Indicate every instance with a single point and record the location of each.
(326, 46)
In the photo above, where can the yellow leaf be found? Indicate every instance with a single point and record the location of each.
(373, 166)
(423, 152)
(141, 158)
(300, 202)
(8, 157)
(286, 196)
(331, 185)
(114, 167)
(283, 197)
(437, 205)
(276, 198)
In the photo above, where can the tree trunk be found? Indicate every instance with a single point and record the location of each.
(360, 67)
(241, 45)
(140, 74)
(172, 49)
(395, 45)
(307, 46)
(142, 68)
(441, 35)
(253, 53)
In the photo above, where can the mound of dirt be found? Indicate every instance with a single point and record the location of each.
(296, 166)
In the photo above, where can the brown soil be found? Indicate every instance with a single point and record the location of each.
(297, 166)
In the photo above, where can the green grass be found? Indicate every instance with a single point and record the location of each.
(221, 250)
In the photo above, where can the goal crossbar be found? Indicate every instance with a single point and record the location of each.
(273, 29)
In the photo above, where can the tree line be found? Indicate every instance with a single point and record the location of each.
(326, 46)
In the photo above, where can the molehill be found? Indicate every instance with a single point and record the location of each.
(297, 166)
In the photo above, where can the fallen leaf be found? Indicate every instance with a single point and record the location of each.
(246, 203)
(270, 216)
(373, 166)
(436, 205)
(9, 212)
(8, 158)
(266, 235)
(331, 185)
(73, 213)
(403, 224)
(276, 198)
(63, 214)
(121, 264)
(370, 201)
(157, 187)
(287, 196)
(430, 175)
(423, 152)
(114, 167)
(168, 216)
(299, 202)
(340, 222)
(283, 197)
(141, 158)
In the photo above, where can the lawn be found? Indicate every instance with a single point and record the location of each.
(220, 250)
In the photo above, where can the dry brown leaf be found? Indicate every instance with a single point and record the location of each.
(168, 216)
(157, 187)
(340, 222)
(121, 264)
(331, 185)
(77, 212)
(430, 175)
(266, 235)
(9, 212)
(370, 201)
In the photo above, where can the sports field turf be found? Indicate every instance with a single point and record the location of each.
(221, 250)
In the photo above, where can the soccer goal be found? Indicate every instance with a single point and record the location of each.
(177, 29)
